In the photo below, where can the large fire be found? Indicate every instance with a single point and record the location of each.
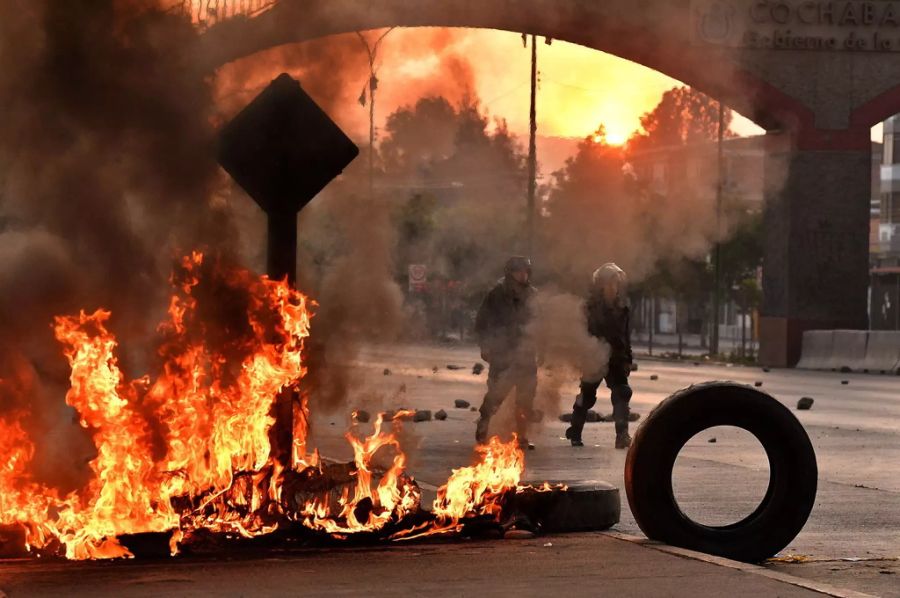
(232, 342)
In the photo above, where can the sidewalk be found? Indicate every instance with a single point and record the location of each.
(578, 564)
(668, 343)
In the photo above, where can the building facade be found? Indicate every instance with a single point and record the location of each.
(884, 304)
(665, 170)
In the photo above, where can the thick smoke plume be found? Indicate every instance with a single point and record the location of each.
(347, 235)
(335, 72)
(105, 170)
(359, 301)
(353, 251)
(566, 350)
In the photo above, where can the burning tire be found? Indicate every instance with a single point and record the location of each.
(792, 464)
(578, 507)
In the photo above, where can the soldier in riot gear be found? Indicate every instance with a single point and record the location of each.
(500, 326)
(608, 319)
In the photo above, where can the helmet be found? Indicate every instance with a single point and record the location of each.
(610, 273)
(518, 263)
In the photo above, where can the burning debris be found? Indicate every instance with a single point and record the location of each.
(186, 454)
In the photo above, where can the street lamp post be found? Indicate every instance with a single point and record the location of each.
(372, 51)
(717, 252)
(532, 149)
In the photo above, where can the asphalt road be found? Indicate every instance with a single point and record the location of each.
(851, 541)
(853, 536)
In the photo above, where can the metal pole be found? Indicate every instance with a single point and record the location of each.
(743, 329)
(281, 258)
(717, 259)
(373, 85)
(678, 324)
(372, 52)
(532, 149)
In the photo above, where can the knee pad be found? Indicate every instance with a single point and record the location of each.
(622, 393)
(585, 400)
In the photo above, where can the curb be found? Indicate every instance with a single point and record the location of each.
(815, 586)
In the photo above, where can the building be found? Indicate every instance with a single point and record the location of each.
(695, 165)
(884, 305)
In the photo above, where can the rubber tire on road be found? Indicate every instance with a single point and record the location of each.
(793, 471)
(583, 506)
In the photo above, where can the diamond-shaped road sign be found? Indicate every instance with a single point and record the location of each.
(283, 149)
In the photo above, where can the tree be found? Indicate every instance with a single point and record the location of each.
(460, 181)
(683, 116)
(591, 216)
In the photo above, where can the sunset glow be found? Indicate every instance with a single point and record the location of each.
(579, 88)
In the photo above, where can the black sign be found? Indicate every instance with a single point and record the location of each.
(283, 149)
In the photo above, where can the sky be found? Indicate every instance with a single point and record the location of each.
(580, 88)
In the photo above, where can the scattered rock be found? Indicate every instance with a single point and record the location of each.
(767, 370)
(846, 370)
(757, 384)
(805, 404)
(461, 404)
(362, 416)
(387, 372)
(593, 417)
(519, 534)
(633, 417)
(608, 419)
(473, 408)
(422, 415)
(434, 370)
(712, 440)
(634, 367)
(440, 415)
(697, 364)
(654, 377)
(845, 382)
(477, 369)
(537, 416)
(455, 367)
(566, 418)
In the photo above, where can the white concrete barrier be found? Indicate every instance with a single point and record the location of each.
(883, 351)
(849, 350)
(818, 346)
(859, 350)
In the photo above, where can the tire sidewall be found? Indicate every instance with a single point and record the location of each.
(792, 465)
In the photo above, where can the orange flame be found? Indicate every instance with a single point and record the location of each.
(392, 499)
(213, 399)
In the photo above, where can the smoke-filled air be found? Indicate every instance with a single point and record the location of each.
(135, 317)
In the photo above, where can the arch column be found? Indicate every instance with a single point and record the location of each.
(816, 263)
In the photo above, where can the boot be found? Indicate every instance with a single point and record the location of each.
(574, 437)
(579, 416)
(621, 411)
(481, 430)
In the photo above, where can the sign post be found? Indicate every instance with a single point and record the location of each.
(283, 149)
